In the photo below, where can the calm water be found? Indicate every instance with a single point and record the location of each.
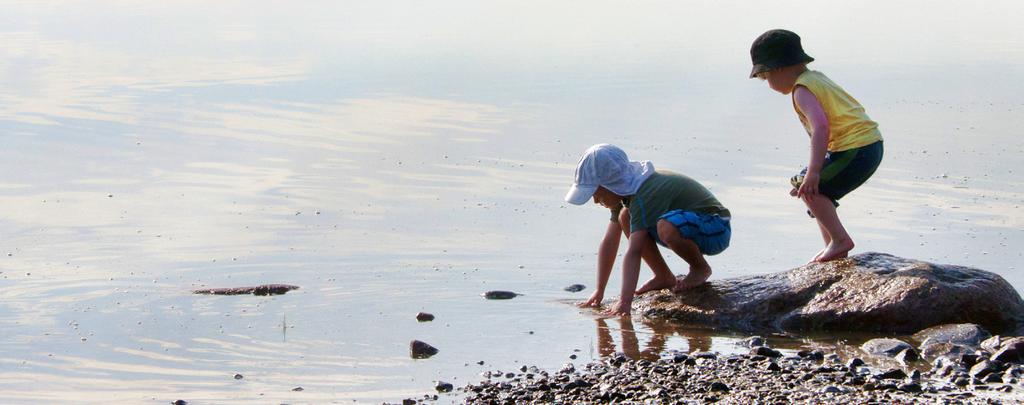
(396, 157)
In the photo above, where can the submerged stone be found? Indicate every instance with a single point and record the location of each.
(575, 288)
(442, 386)
(933, 350)
(499, 295)
(885, 347)
(265, 289)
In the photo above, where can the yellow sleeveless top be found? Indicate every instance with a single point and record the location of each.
(848, 123)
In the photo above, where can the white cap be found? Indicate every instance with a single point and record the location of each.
(608, 166)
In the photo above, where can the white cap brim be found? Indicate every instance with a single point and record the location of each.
(579, 195)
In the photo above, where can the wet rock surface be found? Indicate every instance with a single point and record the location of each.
(967, 334)
(265, 289)
(867, 292)
(885, 347)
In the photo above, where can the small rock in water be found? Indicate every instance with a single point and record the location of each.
(421, 350)
(239, 376)
(753, 341)
(180, 402)
(575, 288)
(265, 289)
(885, 347)
(424, 317)
(814, 355)
(499, 295)
(443, 387)
(719, 386)
(297, 389)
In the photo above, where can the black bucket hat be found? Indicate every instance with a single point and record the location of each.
(775, 49)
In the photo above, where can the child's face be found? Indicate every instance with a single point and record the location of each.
(774, 80)
(607, 198)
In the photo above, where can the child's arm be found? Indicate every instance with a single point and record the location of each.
(630, 272)
(605, 260)
(812, 109)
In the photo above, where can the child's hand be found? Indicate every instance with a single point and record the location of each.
(809, 188)
(594, 301)
(619, 310)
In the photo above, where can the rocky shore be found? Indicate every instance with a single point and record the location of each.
(761, 376)
(881, 371)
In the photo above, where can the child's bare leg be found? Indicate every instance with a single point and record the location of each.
(839, 242)
(825, 237)
(663, 277)
(700, 270)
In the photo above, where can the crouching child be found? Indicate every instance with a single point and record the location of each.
(651, 207)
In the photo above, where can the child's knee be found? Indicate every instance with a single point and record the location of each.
(624, 219)
(667, 230)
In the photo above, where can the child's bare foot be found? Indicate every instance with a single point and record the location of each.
(836, 250)
(656, 283)
(694, 278)
(817, 256)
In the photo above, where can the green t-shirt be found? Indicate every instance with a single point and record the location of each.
(665, 191)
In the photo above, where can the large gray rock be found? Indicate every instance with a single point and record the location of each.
(867, 292)
(967, 334)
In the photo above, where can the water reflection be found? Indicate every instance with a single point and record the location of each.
(657, 332)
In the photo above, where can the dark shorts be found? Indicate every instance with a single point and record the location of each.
(711, 233)
(844, 171)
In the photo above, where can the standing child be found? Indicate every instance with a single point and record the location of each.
(661, 207)
(846, 146)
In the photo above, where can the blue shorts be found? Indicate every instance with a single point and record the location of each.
(711, 233)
